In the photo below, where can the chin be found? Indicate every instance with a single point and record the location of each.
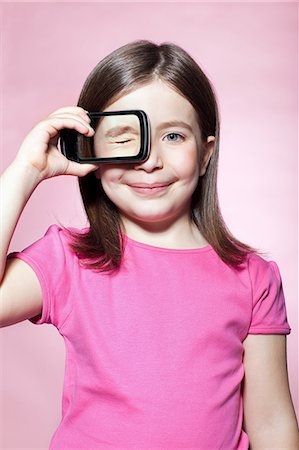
(151, 217)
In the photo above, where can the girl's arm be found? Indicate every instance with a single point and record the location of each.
(37, 160)
(269, 416)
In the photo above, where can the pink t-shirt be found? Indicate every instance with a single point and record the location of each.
(154, 351)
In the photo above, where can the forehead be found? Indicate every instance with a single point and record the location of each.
(160, 101)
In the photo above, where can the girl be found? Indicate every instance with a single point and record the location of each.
(174, 329)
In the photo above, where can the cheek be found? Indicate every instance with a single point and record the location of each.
(108, 173)
(111, 181)
(187, 162)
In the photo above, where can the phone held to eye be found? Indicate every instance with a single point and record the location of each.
(120, 137)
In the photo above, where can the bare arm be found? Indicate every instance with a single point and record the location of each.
(37, 160)
(16, 186)
(269, 416)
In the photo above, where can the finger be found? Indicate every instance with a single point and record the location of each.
(80, 170)
(52, 126)
(70, 109)
(83, 116)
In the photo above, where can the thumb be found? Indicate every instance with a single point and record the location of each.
(80, 170)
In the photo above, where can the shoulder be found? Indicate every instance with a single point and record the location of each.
(55, 243)
(268, 301)
(63, 235)
(260, 269)
(64, 232)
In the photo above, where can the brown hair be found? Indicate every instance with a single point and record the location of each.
(124, 69)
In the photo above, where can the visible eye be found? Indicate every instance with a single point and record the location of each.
(174, 137)
(122, 139)
(123, 142)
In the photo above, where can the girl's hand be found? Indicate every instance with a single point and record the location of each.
(39, 149)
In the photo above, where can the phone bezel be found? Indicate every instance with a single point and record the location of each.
(68, 136)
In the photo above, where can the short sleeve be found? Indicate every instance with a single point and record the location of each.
(51, 261)
(269, 315)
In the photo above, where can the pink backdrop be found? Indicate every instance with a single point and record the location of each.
(249, 51)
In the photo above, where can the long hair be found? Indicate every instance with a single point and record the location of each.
(123, 70)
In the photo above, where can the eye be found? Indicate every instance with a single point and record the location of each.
(174, 137)
(123, 142)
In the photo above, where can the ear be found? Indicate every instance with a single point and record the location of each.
(207, 148)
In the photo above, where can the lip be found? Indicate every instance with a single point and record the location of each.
(149, 188)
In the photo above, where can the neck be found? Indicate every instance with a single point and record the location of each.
(181, 234)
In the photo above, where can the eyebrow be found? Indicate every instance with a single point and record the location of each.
(175, 123)
(115, 131)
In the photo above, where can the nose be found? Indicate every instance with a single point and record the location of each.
(154, 160)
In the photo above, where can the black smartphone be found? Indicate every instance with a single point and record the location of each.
(120, 137)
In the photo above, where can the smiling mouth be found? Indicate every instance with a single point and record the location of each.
(149, 189)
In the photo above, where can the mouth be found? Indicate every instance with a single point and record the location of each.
(149, 189)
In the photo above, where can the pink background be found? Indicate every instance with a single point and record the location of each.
(249, 50)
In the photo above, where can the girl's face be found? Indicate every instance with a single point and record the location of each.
(159, 190)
